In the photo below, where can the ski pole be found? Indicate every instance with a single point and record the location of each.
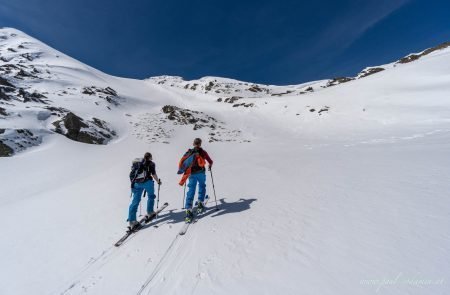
(184, 196)
(157, 200)
(214, 189)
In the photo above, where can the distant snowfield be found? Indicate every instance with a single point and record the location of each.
(353, 200)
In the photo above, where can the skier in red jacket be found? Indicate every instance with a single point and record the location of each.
(196, 174)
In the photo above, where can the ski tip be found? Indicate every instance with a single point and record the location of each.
(166, 204)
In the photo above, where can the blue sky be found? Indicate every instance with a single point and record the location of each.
(273, 42)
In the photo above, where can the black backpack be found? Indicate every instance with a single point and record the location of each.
(138, 173)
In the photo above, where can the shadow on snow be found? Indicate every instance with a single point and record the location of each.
(174, 216)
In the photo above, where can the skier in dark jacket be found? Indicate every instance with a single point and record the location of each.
(142, 179)
(197, 175)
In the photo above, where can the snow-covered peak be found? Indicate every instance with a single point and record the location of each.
(18, 47)
(43, 90)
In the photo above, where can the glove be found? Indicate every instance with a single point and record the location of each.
(209, 167)
(159, 181)
(132, 185)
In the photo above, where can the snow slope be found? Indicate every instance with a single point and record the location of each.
(337, 191)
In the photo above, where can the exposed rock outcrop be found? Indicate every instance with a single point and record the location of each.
(108, 94)
(413, 57)
(15, 140)
(369, 71)
(92, 132)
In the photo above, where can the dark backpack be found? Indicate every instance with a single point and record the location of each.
(138, 173)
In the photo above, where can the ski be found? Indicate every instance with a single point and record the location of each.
(141, 224)
(185, 227)
(197, 214)
(183, 230)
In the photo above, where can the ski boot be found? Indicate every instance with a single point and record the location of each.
(134, 226)
(200, 207)
(189, 216)
(149, 216)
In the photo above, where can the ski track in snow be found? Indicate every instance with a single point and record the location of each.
(159, 268)
(93, 265)
(86, 277)
(162, 268)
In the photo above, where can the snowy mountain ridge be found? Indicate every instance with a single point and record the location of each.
(43, 91)
(224, 86)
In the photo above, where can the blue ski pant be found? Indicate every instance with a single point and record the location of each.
(138, 188)
(199, 178)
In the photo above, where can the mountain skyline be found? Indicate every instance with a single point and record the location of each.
(263, 42)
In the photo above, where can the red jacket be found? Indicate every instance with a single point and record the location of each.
(197, 166)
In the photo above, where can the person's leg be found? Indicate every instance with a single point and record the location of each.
(149, 186)
(191, 191)
(201, 178)
(137, 193)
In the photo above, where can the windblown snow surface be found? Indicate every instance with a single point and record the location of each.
(351, 200)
